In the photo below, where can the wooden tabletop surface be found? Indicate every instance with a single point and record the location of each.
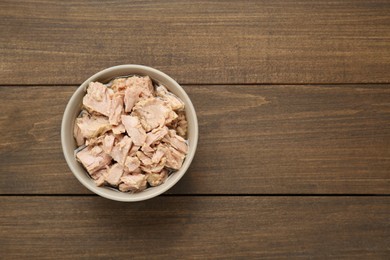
(293, 103)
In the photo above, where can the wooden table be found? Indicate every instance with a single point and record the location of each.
(293, 102)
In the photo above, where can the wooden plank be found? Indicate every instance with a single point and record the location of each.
(64, 42)
(253, 140)
(195, 227)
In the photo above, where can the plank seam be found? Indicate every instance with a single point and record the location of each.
(208, 195)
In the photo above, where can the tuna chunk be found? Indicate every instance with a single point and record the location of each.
(133, 150)
(134, 129)
(98, 176)
(153, 113)
(108, 143)
(143, 83)
(95, 141)
(179, 143)
(131, 97)
(156, 179)
(176, 141)
(158, 155)
(174, 158)
(90, 127)
(116, 109)
(119, 85)
(170, 98)
(133, 183)
(118, 129)
(93, 159)
(180, 124)
(155, 167)
(99, 181)
(132, 163)
(136, 171)
(113, 174)
(147, 150)
(121, 149)
(98, 98)
(80, 140)
(145, 160)
(156, 135)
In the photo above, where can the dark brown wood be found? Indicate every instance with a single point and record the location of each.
(292, 111)
(253, 140)
(195, 227)
(64, 42)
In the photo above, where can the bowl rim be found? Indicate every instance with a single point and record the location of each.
(101, 191)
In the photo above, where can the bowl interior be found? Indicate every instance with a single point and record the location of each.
(74, 107)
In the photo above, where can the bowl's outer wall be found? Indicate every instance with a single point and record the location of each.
(74, 107)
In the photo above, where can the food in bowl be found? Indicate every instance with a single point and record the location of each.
(131, 133)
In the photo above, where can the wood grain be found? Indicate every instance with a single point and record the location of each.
(253, 140)
(195, 227)
(64, 42)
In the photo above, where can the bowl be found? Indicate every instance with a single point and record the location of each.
(73, 109)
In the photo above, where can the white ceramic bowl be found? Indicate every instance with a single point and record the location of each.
(74, 107)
